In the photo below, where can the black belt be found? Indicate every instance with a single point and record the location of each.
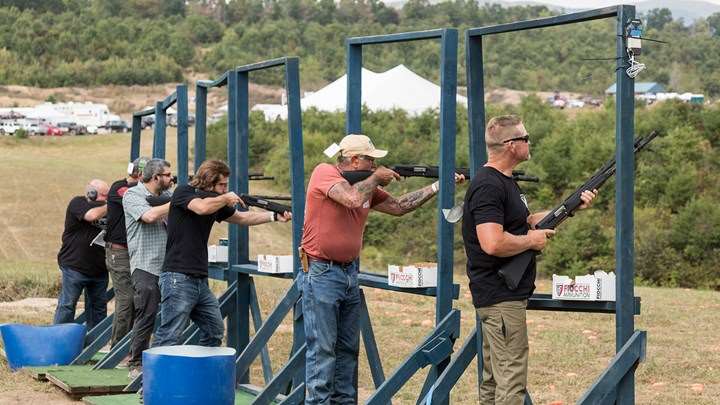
(331, 262)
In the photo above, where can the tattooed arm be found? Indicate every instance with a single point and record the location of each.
(358, 194)
(406, 203)
(410, 201)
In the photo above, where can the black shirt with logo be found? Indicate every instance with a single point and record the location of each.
(494, 197)
(115, 215)
(188, 232)
(76, 251)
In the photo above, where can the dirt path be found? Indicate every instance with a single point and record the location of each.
(24, 397)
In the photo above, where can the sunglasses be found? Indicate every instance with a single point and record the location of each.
(524, 138)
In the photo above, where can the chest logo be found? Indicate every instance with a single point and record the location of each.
(366, 204)
(524, 200)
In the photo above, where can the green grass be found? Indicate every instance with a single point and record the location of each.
(567, 350)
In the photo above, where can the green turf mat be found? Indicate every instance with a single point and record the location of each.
(38, 373)
(241, 398)
(81, 381)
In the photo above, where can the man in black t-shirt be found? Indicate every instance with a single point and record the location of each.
(184, 290)
(497, 225)
(117, 259)
(81, 262)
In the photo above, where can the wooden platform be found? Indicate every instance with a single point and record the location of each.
(241, 398)
(79, 381)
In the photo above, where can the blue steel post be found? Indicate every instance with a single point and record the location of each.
(297, 179)
(159, 136)
(448, 97)
(241, 168)
(182, 133)
(624, 202)
(354, 89)
(476, 132)
(135, 138)
(200, 124)
(476, 101)
(233, 229)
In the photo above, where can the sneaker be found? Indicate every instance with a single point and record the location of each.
(134, 373)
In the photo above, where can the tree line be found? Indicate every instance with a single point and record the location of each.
(90, 42)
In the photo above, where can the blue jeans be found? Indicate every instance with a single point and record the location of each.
(184, 298)
(73, 284)
(331, 309)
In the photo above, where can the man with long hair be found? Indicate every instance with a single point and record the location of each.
(184, 290)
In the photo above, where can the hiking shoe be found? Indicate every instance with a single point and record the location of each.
(134, 373)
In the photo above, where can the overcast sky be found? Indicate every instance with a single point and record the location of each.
(594, 3)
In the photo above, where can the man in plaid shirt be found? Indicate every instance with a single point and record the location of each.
(146, 237)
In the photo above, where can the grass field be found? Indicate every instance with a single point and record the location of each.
(568, 351)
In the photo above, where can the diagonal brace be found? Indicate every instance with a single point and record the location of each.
(429, 352)
(626, 359)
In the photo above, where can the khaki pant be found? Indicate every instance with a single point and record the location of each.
(118, 265)
(505, 353)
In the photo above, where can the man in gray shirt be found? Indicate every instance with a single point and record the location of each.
(146, 238)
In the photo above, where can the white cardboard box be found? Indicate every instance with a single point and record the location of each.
(419, 275)
(599, 286)
(275, 264)
(217, 254)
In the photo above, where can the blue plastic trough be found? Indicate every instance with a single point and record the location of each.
(29, 345)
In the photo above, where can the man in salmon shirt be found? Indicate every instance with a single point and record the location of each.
(336, 212)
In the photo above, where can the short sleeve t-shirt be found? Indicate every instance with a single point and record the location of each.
(115, 232)
(494, 197)
(331, 230)
(76, 251)
(188, 232)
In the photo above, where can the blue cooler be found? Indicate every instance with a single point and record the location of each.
(189, 375)
(29, 345)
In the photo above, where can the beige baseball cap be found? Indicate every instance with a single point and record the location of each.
(359, 145)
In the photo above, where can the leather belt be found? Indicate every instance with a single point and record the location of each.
(331, 262)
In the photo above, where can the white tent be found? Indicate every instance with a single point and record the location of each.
(398, 87)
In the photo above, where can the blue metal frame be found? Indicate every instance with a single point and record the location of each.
(180, 98)
(241, 268)
(617, 383)
(448, 88)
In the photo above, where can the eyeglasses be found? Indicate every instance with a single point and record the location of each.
(524, 138)
(165, 174)
(368, 158)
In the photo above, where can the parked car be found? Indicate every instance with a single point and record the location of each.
(8, 127)
(116, 126)
(52, 130)
(72, 128)
(147, 121)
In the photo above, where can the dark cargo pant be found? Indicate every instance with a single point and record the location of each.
(118, 265)
(505, 353)
(147, 304)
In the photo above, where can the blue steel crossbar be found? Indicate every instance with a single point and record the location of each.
(626, 305)
(400, 37)
(448, 97)
(571, 18)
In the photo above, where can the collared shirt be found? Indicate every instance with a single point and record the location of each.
(146, 242)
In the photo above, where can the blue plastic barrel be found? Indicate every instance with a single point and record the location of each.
(189, 375)
(29, 345)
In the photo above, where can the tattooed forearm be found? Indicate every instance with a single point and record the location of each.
(412, 200)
